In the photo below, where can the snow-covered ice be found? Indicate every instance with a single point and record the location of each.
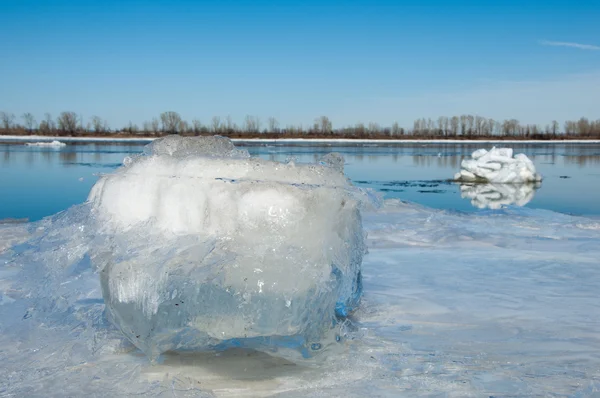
(493, 303)
(51, 144)
(498, 166)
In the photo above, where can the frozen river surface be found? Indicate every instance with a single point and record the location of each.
(478, 303)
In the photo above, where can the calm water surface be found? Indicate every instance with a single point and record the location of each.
(36, 182)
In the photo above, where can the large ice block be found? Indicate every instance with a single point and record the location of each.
(200, 245)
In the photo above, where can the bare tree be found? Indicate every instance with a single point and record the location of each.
(170, 122)
(511, 127)
(67, 122)
(374, 128)
(395, 130)
(442, 124)
(44, 128)
(417, 129)
(97, 124)
(463, 124)
(430, 126)
(324, 125)
(131, 128)
(216, 124)
(47, 125)
(252, 124)
(570, 127)
(49, 121)
(470, 124)
(454, 123)
(229, 126)
(257, 122)
(273, 125)
(583, 127)
(492, 126)
(29, 121)
(7, 120)
(183, 127)
(196, 126)
(479, 125)
(554, 127)
(155, 125)
(360, 129)
(81, 126)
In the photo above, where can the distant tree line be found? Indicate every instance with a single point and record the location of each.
(455, 127)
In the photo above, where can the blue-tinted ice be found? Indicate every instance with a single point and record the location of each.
(498, 303)
(199, 246)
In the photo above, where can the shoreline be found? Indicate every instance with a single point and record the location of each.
(18, 139)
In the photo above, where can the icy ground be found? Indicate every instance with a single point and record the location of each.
(501, 303)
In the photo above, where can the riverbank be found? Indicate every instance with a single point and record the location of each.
(23, 139)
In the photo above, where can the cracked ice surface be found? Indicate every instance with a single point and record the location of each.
(498, 166)
(498, 303)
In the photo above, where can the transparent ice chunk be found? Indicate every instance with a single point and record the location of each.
(200, 246)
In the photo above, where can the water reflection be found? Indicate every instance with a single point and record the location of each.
(495, 196)
(68, 157)
(414, 172)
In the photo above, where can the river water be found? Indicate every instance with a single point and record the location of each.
(36, 182)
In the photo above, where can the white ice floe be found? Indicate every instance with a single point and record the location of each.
(498, 166)
(52, 144)
(495, 196)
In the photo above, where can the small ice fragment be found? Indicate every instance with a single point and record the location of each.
(52, 144)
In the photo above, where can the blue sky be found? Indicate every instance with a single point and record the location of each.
(355, 61)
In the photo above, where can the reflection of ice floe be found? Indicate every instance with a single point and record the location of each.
(52, 144)
(498, 166)
(494, 196)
